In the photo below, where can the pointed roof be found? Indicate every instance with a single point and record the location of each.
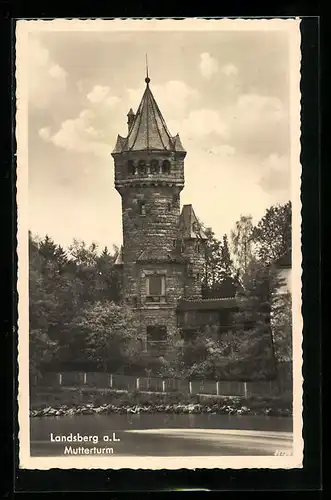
(119, 257)
(120, 142)
(149, 131)
(189, 226)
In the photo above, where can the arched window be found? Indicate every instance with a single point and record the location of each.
(142, 167)
(166, 167)
(169, 207)
(154, 167)
(131, 168)
(142, 208)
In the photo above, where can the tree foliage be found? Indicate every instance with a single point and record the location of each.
(77, 319)
(273, 234)
(62, 284)
(110, 332)
(251, 324)
(220, 277)
(281, 324)
(242, 242)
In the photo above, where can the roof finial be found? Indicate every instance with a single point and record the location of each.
(147, 79)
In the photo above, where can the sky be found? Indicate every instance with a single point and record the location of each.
(225, 93)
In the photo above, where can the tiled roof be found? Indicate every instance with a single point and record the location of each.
(178, 144)
(148, 130)
(149, 255)
(189, 226)
(120, 142)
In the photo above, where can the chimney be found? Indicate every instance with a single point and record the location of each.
(131, 117)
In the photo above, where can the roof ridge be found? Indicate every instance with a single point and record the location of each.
(149, 130)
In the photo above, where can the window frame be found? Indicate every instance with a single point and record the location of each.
(166, 167)
(132, 167)
(153, 298)
(155, 344)
(142, 208)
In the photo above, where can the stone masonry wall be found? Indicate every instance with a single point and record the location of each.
(154, 231)
(194, 251)
(164, 313)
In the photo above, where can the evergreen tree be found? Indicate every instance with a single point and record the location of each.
(220, 277)
(227, 262)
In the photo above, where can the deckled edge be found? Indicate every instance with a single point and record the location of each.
(22, 28)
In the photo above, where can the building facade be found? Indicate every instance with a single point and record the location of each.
(162, 258)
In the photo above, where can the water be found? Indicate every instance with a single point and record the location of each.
(166, 434)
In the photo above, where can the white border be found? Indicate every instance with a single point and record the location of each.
(23, 28)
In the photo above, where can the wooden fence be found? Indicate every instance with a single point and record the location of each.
(167, 385)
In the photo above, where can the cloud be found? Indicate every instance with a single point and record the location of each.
(45, 133)
(57, 72)
(47, 80)
(100, 94)
(257, 124)
(228, 183)
(208, 65)
(81, 135)
(173, 98)
(276, 173)
(200, 123)
(223, 150)
(230, 70)
(254, 107)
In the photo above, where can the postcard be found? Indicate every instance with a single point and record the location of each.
(159, 243)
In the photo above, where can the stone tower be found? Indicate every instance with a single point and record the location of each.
(160, 260)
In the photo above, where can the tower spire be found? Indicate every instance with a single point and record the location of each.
(147, 79)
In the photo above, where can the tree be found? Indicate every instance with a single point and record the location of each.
(281, 324)
(220, 277)
(41, 350)
(253, 340)
(242, 243)
(227, 262)
(272, 235)
(111, 334)
(82, 254)
(108, 283)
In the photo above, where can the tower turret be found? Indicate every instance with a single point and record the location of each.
(149, 176)
(192, 241)
(131, 117)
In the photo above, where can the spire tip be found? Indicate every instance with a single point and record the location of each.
(147, 79)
